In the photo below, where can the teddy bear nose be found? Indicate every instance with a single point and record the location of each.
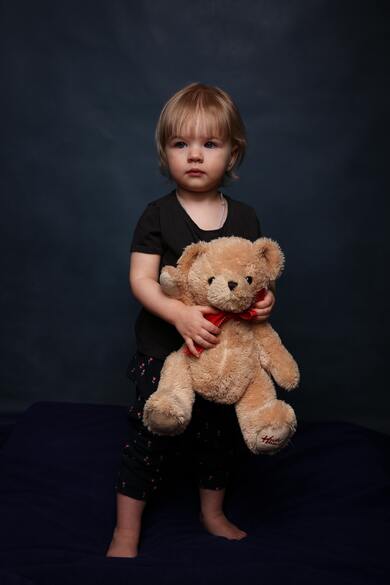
(232, 284)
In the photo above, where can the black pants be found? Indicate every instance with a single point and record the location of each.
(212, 442)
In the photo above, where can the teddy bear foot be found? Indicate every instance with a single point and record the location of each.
(276, 425)
(272, 439)
(164, 422)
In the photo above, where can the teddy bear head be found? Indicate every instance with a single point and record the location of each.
(226, 273)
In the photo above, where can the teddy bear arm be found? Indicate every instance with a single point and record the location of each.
(275, 358)
(170, 282)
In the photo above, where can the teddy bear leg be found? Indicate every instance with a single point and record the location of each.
(168, 410)
(266, 423)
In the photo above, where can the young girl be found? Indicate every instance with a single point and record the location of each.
(200, 139)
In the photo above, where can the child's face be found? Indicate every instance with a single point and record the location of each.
(196, 149)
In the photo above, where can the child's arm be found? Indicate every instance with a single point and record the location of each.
(189, 321)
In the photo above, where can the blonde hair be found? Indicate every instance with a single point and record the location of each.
(217, 109)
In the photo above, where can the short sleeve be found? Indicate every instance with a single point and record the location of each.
(259, 232)
(147, 233)
(254, 225)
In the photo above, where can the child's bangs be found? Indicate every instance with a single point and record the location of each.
(210, 122)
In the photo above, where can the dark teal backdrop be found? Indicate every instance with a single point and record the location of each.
(82, 87)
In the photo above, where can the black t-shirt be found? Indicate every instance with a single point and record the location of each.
(165, 228)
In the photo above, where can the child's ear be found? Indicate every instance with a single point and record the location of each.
(189, 255)
(269, 252)
(233, 158)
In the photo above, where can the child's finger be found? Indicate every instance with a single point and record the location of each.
(263, 312)
(191, 346)
(260, 319)
(209, 336)
(211, 327)
(202, 341)
(265, 303)
(207, 309)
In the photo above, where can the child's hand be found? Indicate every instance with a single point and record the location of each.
(192, 326)
(264, 307)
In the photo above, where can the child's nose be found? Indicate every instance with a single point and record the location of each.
(194, 153)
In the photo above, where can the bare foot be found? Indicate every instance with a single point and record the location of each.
(219, 525)
(124, 543)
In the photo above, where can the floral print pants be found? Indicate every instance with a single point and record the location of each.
(212, 441)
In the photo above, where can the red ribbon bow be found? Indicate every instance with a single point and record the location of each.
(222, 317)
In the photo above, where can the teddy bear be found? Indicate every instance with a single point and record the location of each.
(228, 273)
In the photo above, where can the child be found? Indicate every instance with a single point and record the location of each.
(200, 138)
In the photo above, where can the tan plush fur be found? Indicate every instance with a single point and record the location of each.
(238, 369)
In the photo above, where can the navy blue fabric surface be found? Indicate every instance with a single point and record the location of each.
(7, 423)
(317, 512)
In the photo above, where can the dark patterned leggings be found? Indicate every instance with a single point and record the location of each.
(212, 440)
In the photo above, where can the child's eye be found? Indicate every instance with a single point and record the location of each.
(210, 280)
(211, 142)
(178, 143)
(249, 279)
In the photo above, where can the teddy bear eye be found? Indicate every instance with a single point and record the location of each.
(210, 280)
(249, 279)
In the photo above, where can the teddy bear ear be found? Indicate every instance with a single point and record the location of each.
(189, 255)
(270, 251)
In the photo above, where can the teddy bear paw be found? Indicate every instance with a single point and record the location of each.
(287, 375)
(166, 421)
